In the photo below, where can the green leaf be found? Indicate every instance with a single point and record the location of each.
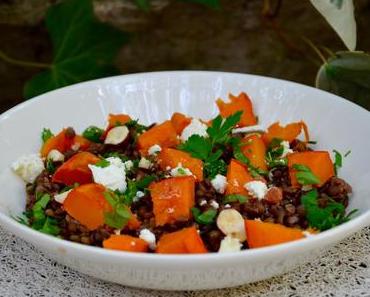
(220, 130)
(83, 48)
(143, 4)
(145, 182)
(234, 198)
(215, 167)
(198, 147)
(205, 218)
(274, 154)
(347, 74)
(102, 163)
(338, 161)
(114, 220)
(215, 4)
(324, 218)
(50, 227)
(93, 133)
(50, 167)
(46, 134)
(305, 176)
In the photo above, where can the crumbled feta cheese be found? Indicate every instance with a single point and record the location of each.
(128, 165)
(28, 167)
(116, 135)
(168, 168)
(145, 163)
(203, 202)
(113, 176)
(149, 237)
(219, 183)
(214, 204)
(227, 206)
(55, 156)
(286, 148)
(116, 162)
(229, 245)
(61, 196)
(117, 231)
(249, 129)
(256, 188)
(154, 149)
(195, 127)
(138, 195)
(170, 210)
(180, 171)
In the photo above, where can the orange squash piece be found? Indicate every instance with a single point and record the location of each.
(87, 205)
(81, 142)
(126, 243)
(76, 170)
(172, 199)
(240, 103)
(237, 176)
(60, 142)
(172, 157)
(163, 134)
(254, 149)
(117, 120)
(184, 241)
(260, 234)
(319, 162)
(288, 132)
(179, 122)
(133, 223)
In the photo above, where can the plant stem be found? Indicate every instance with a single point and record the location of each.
(316, 50)
(10, 60)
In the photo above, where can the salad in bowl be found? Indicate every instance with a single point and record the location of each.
(185, 185)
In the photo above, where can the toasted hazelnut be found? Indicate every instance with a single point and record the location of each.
(231, 223)
(117, 135)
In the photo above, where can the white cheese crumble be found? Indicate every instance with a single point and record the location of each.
(219, 183)
(229, 245)
(28, 167)
(55, 156)
(154, 149)
(203, 202)
(128, 165)
(286, 148)
(256, 188)
(113, 176)
(196, 127)
(149, 237)
(75, 147)
(145, 163)
(138, 195)
(180, 171)
(249, 129)
(170, 210)
(62, 196)
(214, 204)
(227, 206)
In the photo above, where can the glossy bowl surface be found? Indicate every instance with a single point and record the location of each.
(151, 97)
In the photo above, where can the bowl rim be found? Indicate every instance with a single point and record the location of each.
(297, 246)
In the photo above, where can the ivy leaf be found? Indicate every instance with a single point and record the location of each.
(83, 48)
(347, 74)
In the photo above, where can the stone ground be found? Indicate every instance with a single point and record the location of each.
(177, 35)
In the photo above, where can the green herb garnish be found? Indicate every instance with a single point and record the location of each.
(210, 149)
(50, 166)
(234, 198)
(323, 218)
(338, 160)
(46, 134)
(205, 218)
(274, 154)
(120, 215)
(102, 163)
(305, 176)
(93, 134)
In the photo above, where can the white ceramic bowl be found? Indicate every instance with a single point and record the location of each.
(333, 122)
